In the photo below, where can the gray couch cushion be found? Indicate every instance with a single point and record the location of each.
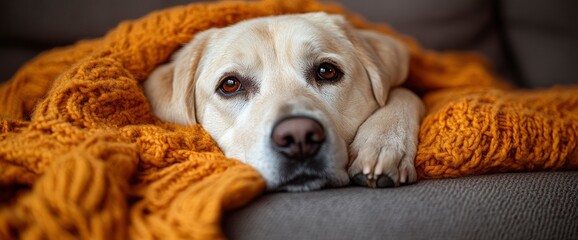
(441, 24)
(28, 27)
(501, 206)
(543, 36)
(457, 25)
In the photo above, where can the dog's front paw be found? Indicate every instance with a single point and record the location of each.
(378, 159)
(385, 145)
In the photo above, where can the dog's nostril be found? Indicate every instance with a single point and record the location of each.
(298, 137)
(286, 141)
(314, 137)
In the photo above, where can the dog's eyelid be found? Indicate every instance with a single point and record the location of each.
(330, 61)
(330, 57)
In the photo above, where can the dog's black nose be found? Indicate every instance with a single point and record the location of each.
(298, 137)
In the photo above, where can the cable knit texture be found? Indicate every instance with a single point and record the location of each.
(82, 156)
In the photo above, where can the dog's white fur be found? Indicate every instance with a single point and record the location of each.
(370, 122)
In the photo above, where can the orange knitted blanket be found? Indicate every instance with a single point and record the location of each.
(81, 155)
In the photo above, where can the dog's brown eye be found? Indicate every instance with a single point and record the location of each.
(230, 85)
(327, 71)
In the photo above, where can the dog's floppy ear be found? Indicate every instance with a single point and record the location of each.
(170, 88)
(386, 61)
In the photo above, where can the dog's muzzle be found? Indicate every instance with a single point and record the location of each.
(308, 156)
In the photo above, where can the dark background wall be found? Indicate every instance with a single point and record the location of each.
(533, 43)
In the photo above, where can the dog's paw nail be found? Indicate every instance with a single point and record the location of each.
(403, 176)
(366, 170)
(385, 181)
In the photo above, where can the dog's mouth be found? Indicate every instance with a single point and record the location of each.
(303, 182)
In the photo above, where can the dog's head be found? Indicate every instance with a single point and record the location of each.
(283, 94)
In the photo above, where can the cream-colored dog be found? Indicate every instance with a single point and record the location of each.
(306, 99)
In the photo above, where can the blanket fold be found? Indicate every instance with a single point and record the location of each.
(82, 156)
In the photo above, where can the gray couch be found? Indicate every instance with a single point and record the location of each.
(531, 43)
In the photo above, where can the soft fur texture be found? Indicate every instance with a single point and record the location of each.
(85, 157)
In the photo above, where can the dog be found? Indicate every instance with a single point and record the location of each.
(305, 99)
